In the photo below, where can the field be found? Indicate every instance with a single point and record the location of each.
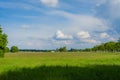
(60, 66)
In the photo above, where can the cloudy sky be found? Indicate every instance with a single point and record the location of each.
(49, 24)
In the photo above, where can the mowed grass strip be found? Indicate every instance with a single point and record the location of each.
(65, 66)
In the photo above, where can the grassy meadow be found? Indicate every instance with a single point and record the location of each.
(60, 66)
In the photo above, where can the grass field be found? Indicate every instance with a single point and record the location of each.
(60, 66)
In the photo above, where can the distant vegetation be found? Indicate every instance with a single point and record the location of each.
(110, 46)
(14, 49)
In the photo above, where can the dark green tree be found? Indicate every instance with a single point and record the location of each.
(14, 49)
(63, 49)
(3, 42)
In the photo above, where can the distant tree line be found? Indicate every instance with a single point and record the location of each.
(34, 50)
(110, 46)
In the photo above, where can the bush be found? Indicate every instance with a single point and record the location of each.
(14, 49)
(62, 49)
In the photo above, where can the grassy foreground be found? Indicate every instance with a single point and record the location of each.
(60, 66)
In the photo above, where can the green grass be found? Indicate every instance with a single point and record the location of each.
(60, 66)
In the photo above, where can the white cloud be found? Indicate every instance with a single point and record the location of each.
(83, 22)
(62, 42)
(61, 36)
(104, 35)
(90, 41)
(50, 3)
(80, 38)
(83, 34)
(25, 26)
(85, 37)
(112, 39)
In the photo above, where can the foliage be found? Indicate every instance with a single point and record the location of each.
(1, 53)
(108, 46)
(62, 49)
(14, 49)
(7, 50)
(3, 42)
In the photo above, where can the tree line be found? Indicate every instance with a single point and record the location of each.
(110, 46)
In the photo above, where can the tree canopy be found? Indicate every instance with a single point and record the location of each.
(3, 42)
(14, 49)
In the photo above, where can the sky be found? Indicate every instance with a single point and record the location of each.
(50, 24)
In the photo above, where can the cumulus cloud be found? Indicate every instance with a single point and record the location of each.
(104, 35)
(50, 3)
(83, 34)
(78, 38)
(85, 37)
(61, 36)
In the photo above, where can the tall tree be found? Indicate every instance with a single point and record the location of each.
(3, 42)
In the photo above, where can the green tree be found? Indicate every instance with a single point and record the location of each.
(63, 49)
(118, 45)
(14, 49)
(7, 50)
(3, 42)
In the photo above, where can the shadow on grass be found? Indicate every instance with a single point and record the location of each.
(64, 73)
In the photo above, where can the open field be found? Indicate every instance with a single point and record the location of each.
(60, 66)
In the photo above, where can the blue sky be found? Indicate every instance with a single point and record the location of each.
(49, 24)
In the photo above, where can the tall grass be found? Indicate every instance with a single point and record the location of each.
(98, 72)
(60, 66)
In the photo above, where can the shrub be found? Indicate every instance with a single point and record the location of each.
(14, 49)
